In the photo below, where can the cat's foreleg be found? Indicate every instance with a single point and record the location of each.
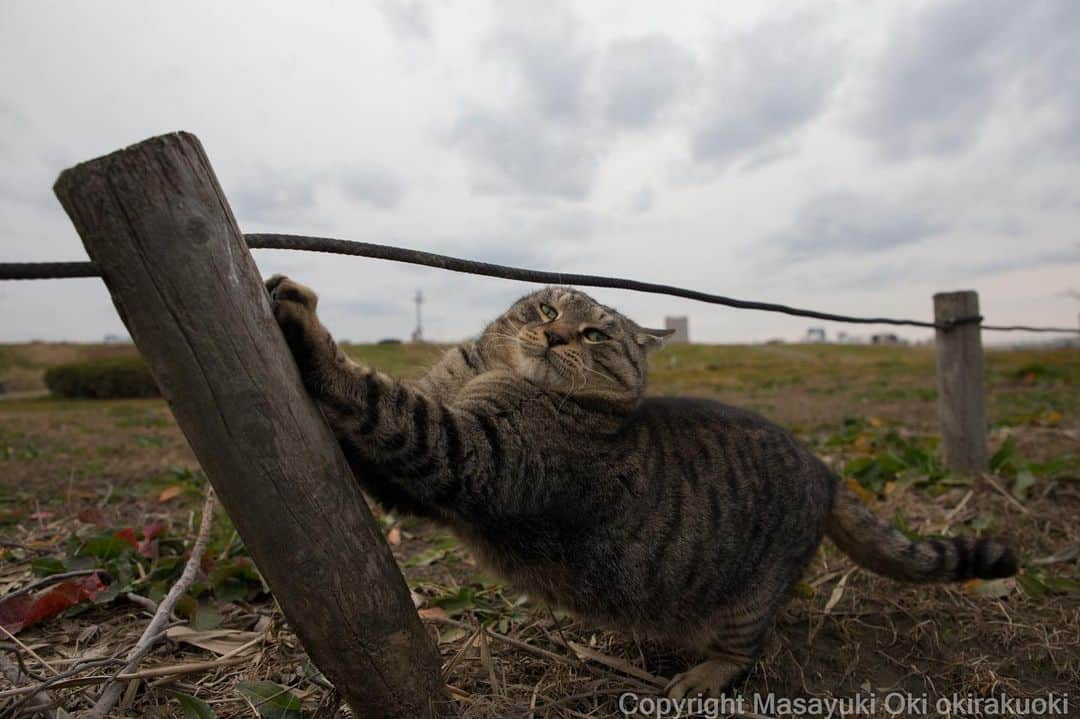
(436, 455)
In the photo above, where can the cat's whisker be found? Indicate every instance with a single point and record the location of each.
(573, 382)
(599, 374)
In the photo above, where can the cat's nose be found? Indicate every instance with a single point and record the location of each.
(554, 339)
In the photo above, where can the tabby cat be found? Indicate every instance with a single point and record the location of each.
(684, 519)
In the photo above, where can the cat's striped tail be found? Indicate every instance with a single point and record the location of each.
(876, 545)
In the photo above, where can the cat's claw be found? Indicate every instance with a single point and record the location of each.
(708, 679)
(283, 289)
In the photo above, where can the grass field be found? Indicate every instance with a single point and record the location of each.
(74, 475)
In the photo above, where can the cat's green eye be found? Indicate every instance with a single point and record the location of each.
(549, 311)
(594, 335)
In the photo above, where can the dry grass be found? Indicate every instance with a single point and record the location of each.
(61, 459)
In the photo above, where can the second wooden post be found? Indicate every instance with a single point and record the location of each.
(961, 383)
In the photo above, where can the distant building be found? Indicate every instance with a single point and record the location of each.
(117, 340)
(845, 339)
(815, 335)
(681, 325)
(885, 338)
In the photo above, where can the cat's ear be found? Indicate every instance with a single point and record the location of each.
(651, 339)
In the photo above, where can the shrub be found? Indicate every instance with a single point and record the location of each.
(117, 377)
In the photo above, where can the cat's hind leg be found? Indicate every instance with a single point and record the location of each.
(735, 647)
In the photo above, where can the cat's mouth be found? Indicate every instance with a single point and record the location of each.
(544, 365)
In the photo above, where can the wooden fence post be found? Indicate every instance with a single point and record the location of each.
(961, 384)
(158, 225)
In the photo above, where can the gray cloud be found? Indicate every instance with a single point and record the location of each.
(373, 187)
(541, 144)
(409, 19)
(763, 86)
(544, 43)
(538, 240)
(1022, 261)
(842, 221)
(642, 201)
(644, 76)
(951, 65)
(516, 153)
(273, 195)
(880, 275)
(269, 197)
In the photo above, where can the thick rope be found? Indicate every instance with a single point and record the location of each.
(58, 270)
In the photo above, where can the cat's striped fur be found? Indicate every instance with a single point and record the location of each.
(683, 518)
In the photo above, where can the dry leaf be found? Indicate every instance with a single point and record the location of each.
(218, 641)
(433, 613)
(92, 515)
(394, 536)
(22, 610)
(992, 588)
(170, 492)
(860, 491)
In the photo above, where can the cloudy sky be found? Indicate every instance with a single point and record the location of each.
(848, 156)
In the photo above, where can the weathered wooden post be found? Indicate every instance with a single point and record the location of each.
(961, 383)
(158, 225)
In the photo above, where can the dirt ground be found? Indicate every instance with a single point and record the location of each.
(75, 472)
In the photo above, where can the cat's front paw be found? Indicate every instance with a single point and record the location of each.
(282, 289)
(293, 305)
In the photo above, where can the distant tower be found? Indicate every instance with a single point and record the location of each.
(681, 325)
(418, 333)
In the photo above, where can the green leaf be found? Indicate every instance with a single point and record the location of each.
(1024, 481)
(44, 566)
(449, 635)
(461, 601)
(104, 546)
(1050, 467)
(273, 701)
(186, 606)
(981, 523)
(1060, 585)
(902, 526)
(1004, 456)
(205, 616)
(167, 568)
(194, 708)
(234, 579)
(1031, 585)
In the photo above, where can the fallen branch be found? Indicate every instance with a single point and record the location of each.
(113, 689)
(39, 699)
(169, 670)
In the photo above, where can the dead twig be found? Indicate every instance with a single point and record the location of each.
(46, 581)
(619, 665)
(1012, 500)
(112, 691)
(525, 646)
(169, 670)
